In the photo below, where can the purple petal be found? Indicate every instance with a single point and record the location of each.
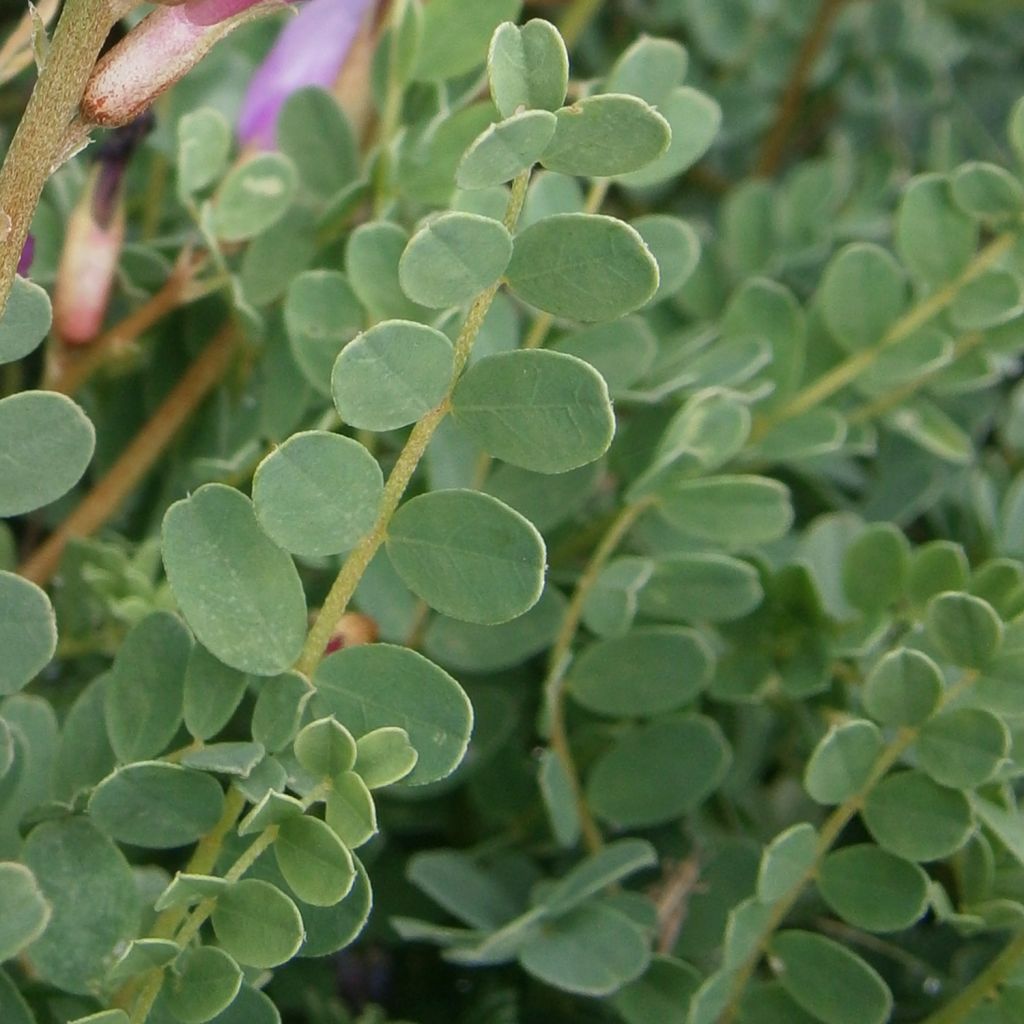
(309, 51)
(27, 255)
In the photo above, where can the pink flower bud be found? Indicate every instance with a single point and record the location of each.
(92, 244)
(156, 53)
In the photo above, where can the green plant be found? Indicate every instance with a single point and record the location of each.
(548, 550)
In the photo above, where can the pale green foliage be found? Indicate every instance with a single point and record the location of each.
(682, 514)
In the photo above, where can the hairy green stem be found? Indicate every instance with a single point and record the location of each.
(337, 600)
(850, 369)
(959, 1008)
(829, 832)
(554, 684)
(42, 134)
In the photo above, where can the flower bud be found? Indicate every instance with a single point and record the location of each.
(310, 50)
(92, 244)
(352, 630)
(28, 253)
(156, 53)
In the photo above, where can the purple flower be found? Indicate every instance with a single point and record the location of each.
(28, 253)
(310, 50)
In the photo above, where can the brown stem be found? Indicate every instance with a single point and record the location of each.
(774, 145)
(42, 133)
(69, 367)
(103, 501)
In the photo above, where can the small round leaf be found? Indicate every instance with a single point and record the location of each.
(468, 555)
(26, 911)
(964, 628)
(963, 748)
(528, 66)
(25, 321)
(903, 689)
(583, 266)
(538, 410)
(254, 196)
(505, 149)
(910, 815)
(325, 748)
(392, 375)
(318, 493)
(314, 861)
(454, 258)
(48, 442)
(203, 982)
(28, 632)
(842, 762)
(258, 924)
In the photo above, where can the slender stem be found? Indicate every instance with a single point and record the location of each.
(137, 459)
(554, 684)
(827, 836)
(774, 146)
(959, 1008)
(337, 600)
(850, 369)
(41, 136)
(577, 19)
(70, 367)
(890, 400)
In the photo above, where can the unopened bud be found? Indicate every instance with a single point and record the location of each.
(93, 241)
(28, 253)
(353, 630)
(159, 51)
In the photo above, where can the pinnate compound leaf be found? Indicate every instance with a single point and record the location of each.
(592, 950)
(731, 510)
(26, 911)
(505, 149)
(258, 924)
(873, 889)
(842, 762)
(28, 632)
(965, 629)
(48, 442)
(203, 982)
(25, 321)
(156, 804)
(314, 861)
(392, 375)
(904, 688)
(913, 817)
(987, 191)
(238, 591)
(146, 690)
(253, 197)
(467, 555)
(528, 66)
(649, 671)
(604, 135)
(992, 298)
(325, 748)
(378, 685)
(385, 756)
(463, 888)
(863, 292)
(94, 900)
(583, 266)
(454, 258)
(829, 981)
(317, 494)
(627, 784)
(538, 410)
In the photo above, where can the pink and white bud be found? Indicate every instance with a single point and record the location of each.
(159, 51)
(88, 267)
